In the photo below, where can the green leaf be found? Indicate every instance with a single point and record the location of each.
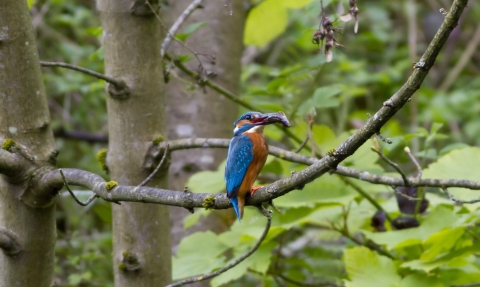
(452, 147)
(192, 219)
(258, 261)
(190, 30)
(208, 181)
(265, 21)
(324, 137)
(421, 279)
(198, 254)
(367, 268)
(295, 3)
(441, 242)
(326, 189)
(194, 27)
(30, 3)
(415, 236)
(323, 97)
(273, 166)
(458, 164)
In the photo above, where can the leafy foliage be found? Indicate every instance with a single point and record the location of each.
(324, 233)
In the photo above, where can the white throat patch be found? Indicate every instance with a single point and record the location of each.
(256, 129)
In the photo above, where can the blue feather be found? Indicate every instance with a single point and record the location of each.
(239, 158)
(234, 201)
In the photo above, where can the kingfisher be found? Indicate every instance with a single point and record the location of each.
(247, 153)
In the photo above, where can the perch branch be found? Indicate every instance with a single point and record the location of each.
(53, 180)
(229, 266)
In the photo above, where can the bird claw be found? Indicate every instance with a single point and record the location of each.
(266, 212)
(254, 189)
(270, 202)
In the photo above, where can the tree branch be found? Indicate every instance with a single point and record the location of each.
(456, 199)
(229, 266)
(53, 180)
(11, 164)
(173, 30)
(118, 84)
(89, 200)
(392, 164)
(180, 144)
(80, 136)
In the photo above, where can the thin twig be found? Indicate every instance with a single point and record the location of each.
(229, 266)
(406, 196)
(415, 162)
(365, 195)
(457, 200)
(471, 48)
(303, 144)
(202, 75)
(165, 154)
(89, 200)
(173, 30)
(392, 164)
(117, 83)
(223, 91)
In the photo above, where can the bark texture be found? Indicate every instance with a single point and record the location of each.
(132, 40)
(204, 113)
(24, 117)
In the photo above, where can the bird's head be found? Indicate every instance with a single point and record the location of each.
(255, 121)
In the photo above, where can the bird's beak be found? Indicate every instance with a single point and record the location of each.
(272, 118)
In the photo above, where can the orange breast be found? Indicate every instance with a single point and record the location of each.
(260, 153)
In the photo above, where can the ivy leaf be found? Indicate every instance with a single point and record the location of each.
(367, 268)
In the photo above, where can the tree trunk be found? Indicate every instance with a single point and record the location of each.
(202, 113)
(24, 117)
(132, 40)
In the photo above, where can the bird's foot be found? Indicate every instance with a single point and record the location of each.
(254, 189)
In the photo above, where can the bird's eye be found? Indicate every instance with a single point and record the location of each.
(248, 117)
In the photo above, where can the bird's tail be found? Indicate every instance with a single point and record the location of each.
(234, 201)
